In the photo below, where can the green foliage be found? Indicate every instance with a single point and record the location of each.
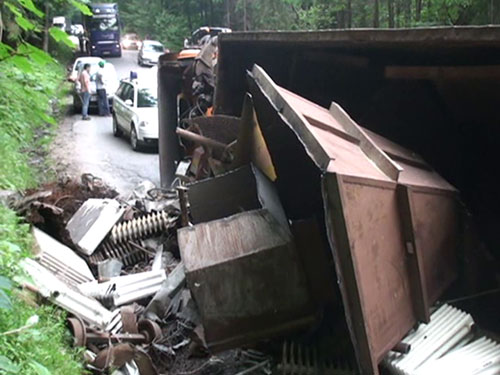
(60, 36)
(28, 84)
(171, 21)
(5, 286)
(43, 347)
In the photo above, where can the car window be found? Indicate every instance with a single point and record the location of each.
(146, 97)
(154, 48)
(119, 92)
(128, 92)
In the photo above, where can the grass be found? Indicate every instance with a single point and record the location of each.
(26, 129)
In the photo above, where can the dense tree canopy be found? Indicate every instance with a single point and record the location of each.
(172, 20)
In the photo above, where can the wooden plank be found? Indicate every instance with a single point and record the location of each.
(414, 252)
(370, 148)
(338, 236)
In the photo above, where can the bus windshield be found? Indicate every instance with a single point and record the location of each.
(104, 24)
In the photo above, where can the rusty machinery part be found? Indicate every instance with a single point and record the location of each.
(125, 252)
(82, 335)
(151, 330)
(298, 359)
(129, 319)
(142, 227)
(78, 330)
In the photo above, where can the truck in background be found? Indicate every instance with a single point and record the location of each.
(59, 22)
(102, 30)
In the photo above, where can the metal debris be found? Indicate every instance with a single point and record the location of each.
(126, 289)
(298, 359)
(125, 252)
(49, 286)
(448, 344)
(61, 260)
(246, 249)
(145, 226)
(92, 222)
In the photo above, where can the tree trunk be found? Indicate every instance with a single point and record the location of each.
(375, 14)
(407, 9)
(363, 16)
(492, 12)
(211, 12)
(418, 10)
(349, 13)
(188, 12)
(1, 22)
(390, 8)
(228, 14)
(245, 26)
(46, 28)
(397, 12)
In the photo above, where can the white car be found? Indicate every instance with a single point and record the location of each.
(150, 52)
(109, 75)
(135, 113)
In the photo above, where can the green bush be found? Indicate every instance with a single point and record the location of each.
(25, 106)
(33, 339)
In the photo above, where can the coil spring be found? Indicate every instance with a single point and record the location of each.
(300, 360)
(125, 252)
(142, 227)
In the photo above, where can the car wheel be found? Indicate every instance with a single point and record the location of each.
(134, 141)
(116, 129)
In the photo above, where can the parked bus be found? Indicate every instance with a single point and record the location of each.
(103, 30)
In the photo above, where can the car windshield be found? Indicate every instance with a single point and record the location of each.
(104, 24)
(153, 48)
(146, 97)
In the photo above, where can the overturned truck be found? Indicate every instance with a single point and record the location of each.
(372, 236)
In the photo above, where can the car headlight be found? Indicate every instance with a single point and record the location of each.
(143, 124)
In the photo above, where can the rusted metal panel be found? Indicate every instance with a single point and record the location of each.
(231, 269)
(243, 189)
(391, 219)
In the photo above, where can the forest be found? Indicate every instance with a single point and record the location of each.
(172, 20)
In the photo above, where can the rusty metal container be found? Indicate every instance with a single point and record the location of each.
(246, 278)
(391, 221)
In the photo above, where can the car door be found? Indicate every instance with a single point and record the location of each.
(118, 104)
(128, 110)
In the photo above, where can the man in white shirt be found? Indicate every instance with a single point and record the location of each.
(102, 98)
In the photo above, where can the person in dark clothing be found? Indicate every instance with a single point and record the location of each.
(102, 97)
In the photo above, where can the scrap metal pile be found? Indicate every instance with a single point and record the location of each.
(293, 232)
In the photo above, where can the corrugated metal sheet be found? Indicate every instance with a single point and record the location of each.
(61, 260)
(446, 346)
(91, 311)
(126, 289)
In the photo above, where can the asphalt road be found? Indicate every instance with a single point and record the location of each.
(90, 147)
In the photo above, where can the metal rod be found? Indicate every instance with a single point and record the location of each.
(488, 292)
(182, 190)
(200, 139)
(253, 368)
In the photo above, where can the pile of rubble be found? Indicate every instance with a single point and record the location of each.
(292, 232)
(114, 265)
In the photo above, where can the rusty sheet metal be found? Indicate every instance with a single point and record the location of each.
(242, 189)
(246, 278)
(392, 221)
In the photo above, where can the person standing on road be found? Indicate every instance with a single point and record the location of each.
(85, 91)
(102, 97)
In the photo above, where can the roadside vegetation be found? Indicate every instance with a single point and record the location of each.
(33, 337)
(173, 20)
